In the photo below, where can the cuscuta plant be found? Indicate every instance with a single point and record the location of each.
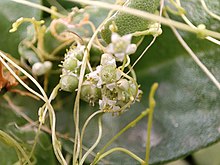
(81, 85)
(104, 73)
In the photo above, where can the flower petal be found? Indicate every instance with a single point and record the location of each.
(115, 37)
(127, 38)
(120, 56)
(131, 49)
(110, 48)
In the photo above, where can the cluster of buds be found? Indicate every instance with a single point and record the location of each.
(115, 90)
(107, 85)
(71, 68)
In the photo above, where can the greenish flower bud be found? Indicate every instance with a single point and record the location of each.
(76, 52)
(69, 83)
(79, 56)
(90, 93)
(108, 74)
(70, 64)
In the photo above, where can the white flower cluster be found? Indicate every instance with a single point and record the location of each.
(116, 93)
(107, 85)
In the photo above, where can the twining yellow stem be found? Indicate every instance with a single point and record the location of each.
(151, 43)
(56, 145)
(208, 11)
(77, 146)
(194, 57)
(149, 16)
(193, 26)
(85, 125)
(96, 142)
(121, 150)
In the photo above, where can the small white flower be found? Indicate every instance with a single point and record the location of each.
(94, 76)
(108, 59)
(107, 104)
(121, 46)
(107, 74)
(111, 86)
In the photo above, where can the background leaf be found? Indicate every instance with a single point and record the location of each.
(10, 12)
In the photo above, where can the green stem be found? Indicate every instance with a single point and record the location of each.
(150, 120)
(122, 150)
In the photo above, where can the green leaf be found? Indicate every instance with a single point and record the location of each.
(10, 12)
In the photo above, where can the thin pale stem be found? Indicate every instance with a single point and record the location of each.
(86, 124)
(209, 11)
(196, 59)
(9, 140)
(19, 112)
(52, 96)
(142, 54)
(18, 79)
(149, 16)
(193, 26)
(96, 142)
(77, 146)
(43, 97)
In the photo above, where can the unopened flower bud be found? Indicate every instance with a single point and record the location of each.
(69, 83)
(90, 93)
(70, 64)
